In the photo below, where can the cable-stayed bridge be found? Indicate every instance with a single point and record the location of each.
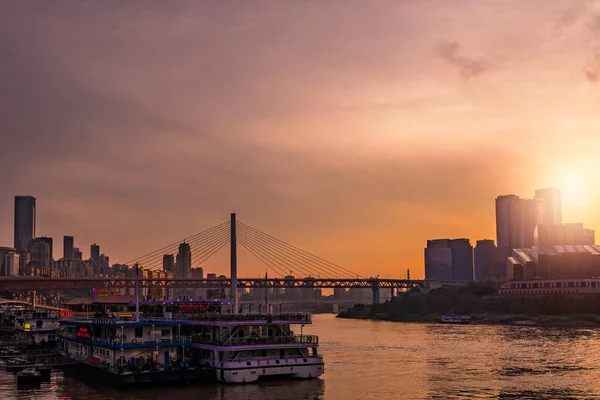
(288, 265)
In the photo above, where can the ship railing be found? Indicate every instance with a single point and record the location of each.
(262, 340)
(301, 317)
(139, 340)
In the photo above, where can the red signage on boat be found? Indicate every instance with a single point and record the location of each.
(193, 307)
(83, 333)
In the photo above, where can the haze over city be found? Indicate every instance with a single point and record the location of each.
(135, 124)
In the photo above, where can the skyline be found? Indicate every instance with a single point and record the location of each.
(356, 147)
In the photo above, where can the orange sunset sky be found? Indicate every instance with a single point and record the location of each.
(354, 129)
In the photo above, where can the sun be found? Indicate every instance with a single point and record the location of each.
(574, 189)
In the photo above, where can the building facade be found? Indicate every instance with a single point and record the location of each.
(168, 263)
(9, 261)
(95, 252)
(487, 262)
(564, 234)
(449, 260)
(40, 250)
(551, 201)
(68, 248)
(25, 220)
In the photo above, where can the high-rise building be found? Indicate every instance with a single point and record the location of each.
(9, 261)
(551, 205)
(449, 260)
(183, 265)
(168, 263)
(487, 264)
(516, 219)
(24, 222)
(41, 252)
(68, 243)
(563, 235)
(77, 254)
(95, 252)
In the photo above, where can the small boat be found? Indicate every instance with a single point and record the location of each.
(45, 371)
(456, 319)
(28, 375)
(16, 364)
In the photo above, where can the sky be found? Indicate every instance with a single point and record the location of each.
(353, 129)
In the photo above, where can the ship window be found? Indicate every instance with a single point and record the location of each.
(139, 332)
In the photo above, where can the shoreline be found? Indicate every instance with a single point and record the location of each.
(538, 321)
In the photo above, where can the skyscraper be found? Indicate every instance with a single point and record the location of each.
(41, 252)
(183, 266)
(551, 206)
(9, 262)
(516, 219)
(95, 252)
(24, 222)
(168, 263)
(449, 260)
(486, 261)
(68, 243)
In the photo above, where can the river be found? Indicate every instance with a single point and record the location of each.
(387, 360)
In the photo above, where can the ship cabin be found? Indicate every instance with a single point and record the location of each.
(172, 334)
(38, 327)
(30, 326)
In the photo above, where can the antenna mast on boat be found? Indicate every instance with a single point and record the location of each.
(137, 292)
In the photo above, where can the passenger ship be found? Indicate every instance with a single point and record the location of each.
(28, 326)
(201, 338)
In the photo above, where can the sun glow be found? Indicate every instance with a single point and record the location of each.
(574, 188)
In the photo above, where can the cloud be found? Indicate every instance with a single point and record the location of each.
(468, 67)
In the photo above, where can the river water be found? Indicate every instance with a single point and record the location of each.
(387, 360)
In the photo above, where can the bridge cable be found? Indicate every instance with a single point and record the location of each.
(177, 243)
(268, 254)
(216, 250)
(157, 259)
(251, 249)
(257, 249)
(322, 261)
(297, 259)
(324, 264)
(217, 242)
(278, 252)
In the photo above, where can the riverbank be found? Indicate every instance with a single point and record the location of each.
(483, 304)
(571, 321)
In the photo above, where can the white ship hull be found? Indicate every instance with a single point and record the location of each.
(241, 372)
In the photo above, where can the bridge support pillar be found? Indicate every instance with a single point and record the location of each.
(376, 294)
(233, 261)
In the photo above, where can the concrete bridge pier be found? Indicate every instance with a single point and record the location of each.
(376, 293)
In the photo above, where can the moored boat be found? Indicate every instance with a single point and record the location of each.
(185, 340)
(16, 364)
(29, 376)
(455, 319)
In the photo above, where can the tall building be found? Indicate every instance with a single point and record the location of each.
(77, 254)
(551, 205)
(68, 249)
(40, 250)
(487, 265)
(183, 265)
(168, 263)
(24, 222)
(516, 219)
(9, 261)
(95, 252)
(449, 260)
